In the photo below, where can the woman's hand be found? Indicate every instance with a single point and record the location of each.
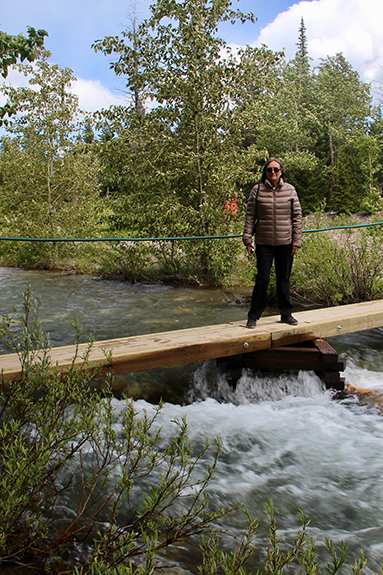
(294, 250)
(250, 249)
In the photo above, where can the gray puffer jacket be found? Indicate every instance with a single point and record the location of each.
(275, 216)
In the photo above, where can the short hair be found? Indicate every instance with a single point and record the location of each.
(264, 176)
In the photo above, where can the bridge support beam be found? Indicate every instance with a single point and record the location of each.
(316, 355)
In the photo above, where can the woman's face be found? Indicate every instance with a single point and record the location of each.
(273, 173)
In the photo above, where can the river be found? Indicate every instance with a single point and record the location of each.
(283, 437)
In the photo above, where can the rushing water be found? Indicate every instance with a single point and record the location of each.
(284, 437)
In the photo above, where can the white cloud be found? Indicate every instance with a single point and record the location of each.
(353, 27)
(94, 96)
(14, 79)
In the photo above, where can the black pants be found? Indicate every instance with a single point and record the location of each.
(283, 261)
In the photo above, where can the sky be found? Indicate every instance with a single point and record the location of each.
(353, 27)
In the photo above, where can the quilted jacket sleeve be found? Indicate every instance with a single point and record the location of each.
(247, 236)
(296, 217)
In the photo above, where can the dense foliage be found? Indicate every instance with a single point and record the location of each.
(181, 157)
(18, 48)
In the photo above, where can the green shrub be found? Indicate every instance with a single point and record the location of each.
(339, 267)
(69, 478)
(199, 262)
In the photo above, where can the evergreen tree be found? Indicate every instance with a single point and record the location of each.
(88, 134)
(302, 54)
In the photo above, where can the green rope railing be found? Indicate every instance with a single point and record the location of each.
(119, 239)
(171, 239)
(343, 227)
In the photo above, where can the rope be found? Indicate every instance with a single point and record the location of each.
(170, 239)
(343, 227)
(119, 239)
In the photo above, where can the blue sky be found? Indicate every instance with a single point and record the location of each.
(349, 26)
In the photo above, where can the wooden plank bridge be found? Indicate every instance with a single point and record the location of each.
(230, 340)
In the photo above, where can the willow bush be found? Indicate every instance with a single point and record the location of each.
(340, 267)
(197, 262)
(82, 483)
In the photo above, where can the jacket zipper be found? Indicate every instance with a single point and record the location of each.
(274, 217)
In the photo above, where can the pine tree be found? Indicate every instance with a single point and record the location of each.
(302, 54)
(88, 134)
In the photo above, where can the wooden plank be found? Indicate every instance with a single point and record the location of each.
(317, 355)
(277, 358)
(327, 352)
(147, 352)
(185, 346)
(329, 322)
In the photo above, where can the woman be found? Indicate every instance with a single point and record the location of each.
(274, 216)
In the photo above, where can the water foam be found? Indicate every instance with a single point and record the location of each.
(211, 381)
(305, 450)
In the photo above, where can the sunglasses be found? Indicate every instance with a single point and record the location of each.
(275, 170)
